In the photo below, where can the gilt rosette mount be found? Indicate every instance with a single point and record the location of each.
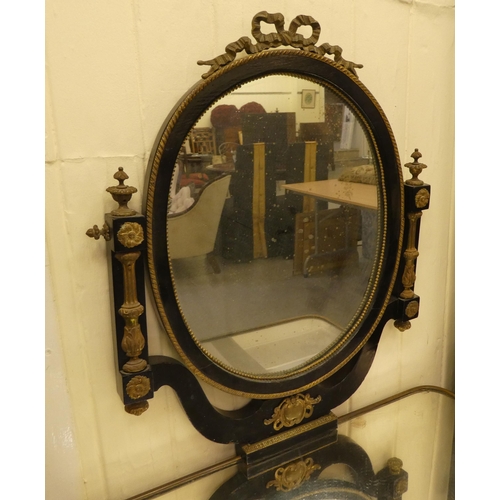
(281, 37)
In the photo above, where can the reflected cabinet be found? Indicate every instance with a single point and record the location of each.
(278, 237)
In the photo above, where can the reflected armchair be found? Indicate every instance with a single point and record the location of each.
(192, 233)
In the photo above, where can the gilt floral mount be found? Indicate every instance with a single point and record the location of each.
(283, 37)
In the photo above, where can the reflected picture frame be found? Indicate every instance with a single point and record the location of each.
(308, 100)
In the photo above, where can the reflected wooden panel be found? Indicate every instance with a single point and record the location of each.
(327, 239)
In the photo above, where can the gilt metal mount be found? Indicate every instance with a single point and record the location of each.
(292, 411)
(122, 194)
(292, 476)
(123, 230)
(96, 233)
(280, 37)
(417, 197)
(415, 169)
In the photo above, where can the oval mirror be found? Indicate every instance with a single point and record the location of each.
(274, 220)
(286, 271)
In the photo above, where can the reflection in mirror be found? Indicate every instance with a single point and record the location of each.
(273, 223)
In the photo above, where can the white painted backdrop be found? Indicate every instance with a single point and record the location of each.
(114, 69)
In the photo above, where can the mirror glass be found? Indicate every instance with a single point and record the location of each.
(272, 226)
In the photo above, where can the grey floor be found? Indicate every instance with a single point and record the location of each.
(245, 296)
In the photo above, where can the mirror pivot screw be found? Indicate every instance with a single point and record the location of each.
(96, 233)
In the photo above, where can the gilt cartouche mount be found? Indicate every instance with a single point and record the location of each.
(290, 410)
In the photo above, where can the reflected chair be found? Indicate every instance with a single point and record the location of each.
(193, 232)
(227, 152)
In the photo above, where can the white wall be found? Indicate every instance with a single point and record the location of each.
(264, 92)
(114, 70)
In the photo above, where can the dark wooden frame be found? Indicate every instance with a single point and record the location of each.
(332, 377)
(328, 370)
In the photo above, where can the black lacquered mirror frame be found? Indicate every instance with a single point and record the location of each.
(282, 425)
(328, 366)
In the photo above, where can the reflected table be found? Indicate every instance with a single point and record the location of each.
(220, 168)
(358, 195)
(195, 162)
(402, 445)
(333, 190)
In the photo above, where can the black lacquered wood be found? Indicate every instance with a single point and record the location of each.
(246, 425)
(116, 277)
(193, 106)
(411, 206)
